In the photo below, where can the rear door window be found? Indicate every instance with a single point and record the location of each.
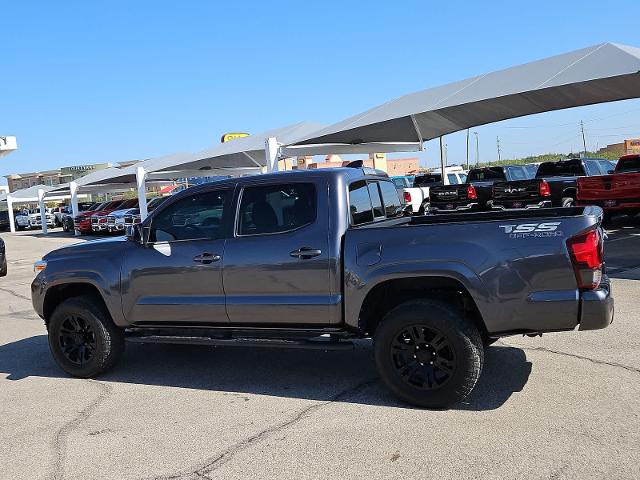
(268, 209)
(391, 200)
(360, 203)
(376, 201)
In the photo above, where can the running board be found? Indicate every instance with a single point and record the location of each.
(242, 342)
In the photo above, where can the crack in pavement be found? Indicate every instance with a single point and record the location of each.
(573, 355)
(12, 292)
(60, 440)
(213, 463)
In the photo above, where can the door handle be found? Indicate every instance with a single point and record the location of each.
(306, 252)
(206, 258)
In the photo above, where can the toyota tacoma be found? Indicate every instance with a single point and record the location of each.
(315, 259)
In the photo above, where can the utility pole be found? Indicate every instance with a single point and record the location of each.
(445, 180)
(584, 142)
(477, 149)
(498, 144)
(467, 149)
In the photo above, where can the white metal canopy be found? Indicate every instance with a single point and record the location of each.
(597, 74)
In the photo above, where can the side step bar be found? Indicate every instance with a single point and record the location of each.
(243, 342)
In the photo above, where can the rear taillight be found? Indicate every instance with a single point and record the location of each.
(407, 197)
(544, 189)
(586, 251)
(471, 192)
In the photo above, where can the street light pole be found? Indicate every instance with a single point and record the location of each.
(584, 142)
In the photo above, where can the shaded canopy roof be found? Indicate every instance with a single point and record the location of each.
(238, 156)
(597, 74)
(244, 152)
(29, 194)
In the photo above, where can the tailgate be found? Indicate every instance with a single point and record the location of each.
(517, 190)
(448, 193)
(607, 187)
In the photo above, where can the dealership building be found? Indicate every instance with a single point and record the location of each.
(51, 178)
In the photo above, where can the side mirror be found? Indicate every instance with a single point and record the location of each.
(133, 233)
(137, 233)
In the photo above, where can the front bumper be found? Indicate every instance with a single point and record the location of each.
(596, 307)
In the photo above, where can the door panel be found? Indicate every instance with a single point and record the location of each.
(168, 282)
(177, 276)
(268, 278)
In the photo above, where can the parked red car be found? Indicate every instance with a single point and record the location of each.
(82, 221)
(618, 192)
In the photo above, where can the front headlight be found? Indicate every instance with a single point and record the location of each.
(39, 266)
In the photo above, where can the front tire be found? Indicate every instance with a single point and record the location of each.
(83, 339)
(428, 353)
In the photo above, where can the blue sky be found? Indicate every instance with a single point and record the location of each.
(106, 81)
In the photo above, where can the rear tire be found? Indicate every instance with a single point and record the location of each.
(83, 339)
(428, 353)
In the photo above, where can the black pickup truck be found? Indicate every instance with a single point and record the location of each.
(316, 258)
(555, 184)
(475, 194)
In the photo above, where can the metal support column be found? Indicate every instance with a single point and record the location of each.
(43, 211)
(271, 154)
(142, 194)
(12, 220)
(73, 189)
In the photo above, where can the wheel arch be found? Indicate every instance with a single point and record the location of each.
(389, 293)
(57, 294)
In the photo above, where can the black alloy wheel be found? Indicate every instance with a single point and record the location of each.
(428, 352)
(423, 357)
(77, 340)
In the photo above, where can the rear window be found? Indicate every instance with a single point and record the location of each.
(592, 167)
(480, 174)
(369, 200)
(517, 173)
(565, 168)
(427, 180)
(628, 165)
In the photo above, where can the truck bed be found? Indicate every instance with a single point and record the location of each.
(514, 264)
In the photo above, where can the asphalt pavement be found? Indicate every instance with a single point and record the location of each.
(562, 406)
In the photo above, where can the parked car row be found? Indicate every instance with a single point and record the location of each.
(111, 217)
(564, 183)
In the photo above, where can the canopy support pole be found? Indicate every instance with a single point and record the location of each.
(417, 128)
(271, 154)
(12, 220)
(445, 180)
(73, 188)
(141, 175)
(43, 212)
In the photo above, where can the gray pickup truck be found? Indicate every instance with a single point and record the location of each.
(316, 258)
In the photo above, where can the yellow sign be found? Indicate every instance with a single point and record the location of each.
(232, 136)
